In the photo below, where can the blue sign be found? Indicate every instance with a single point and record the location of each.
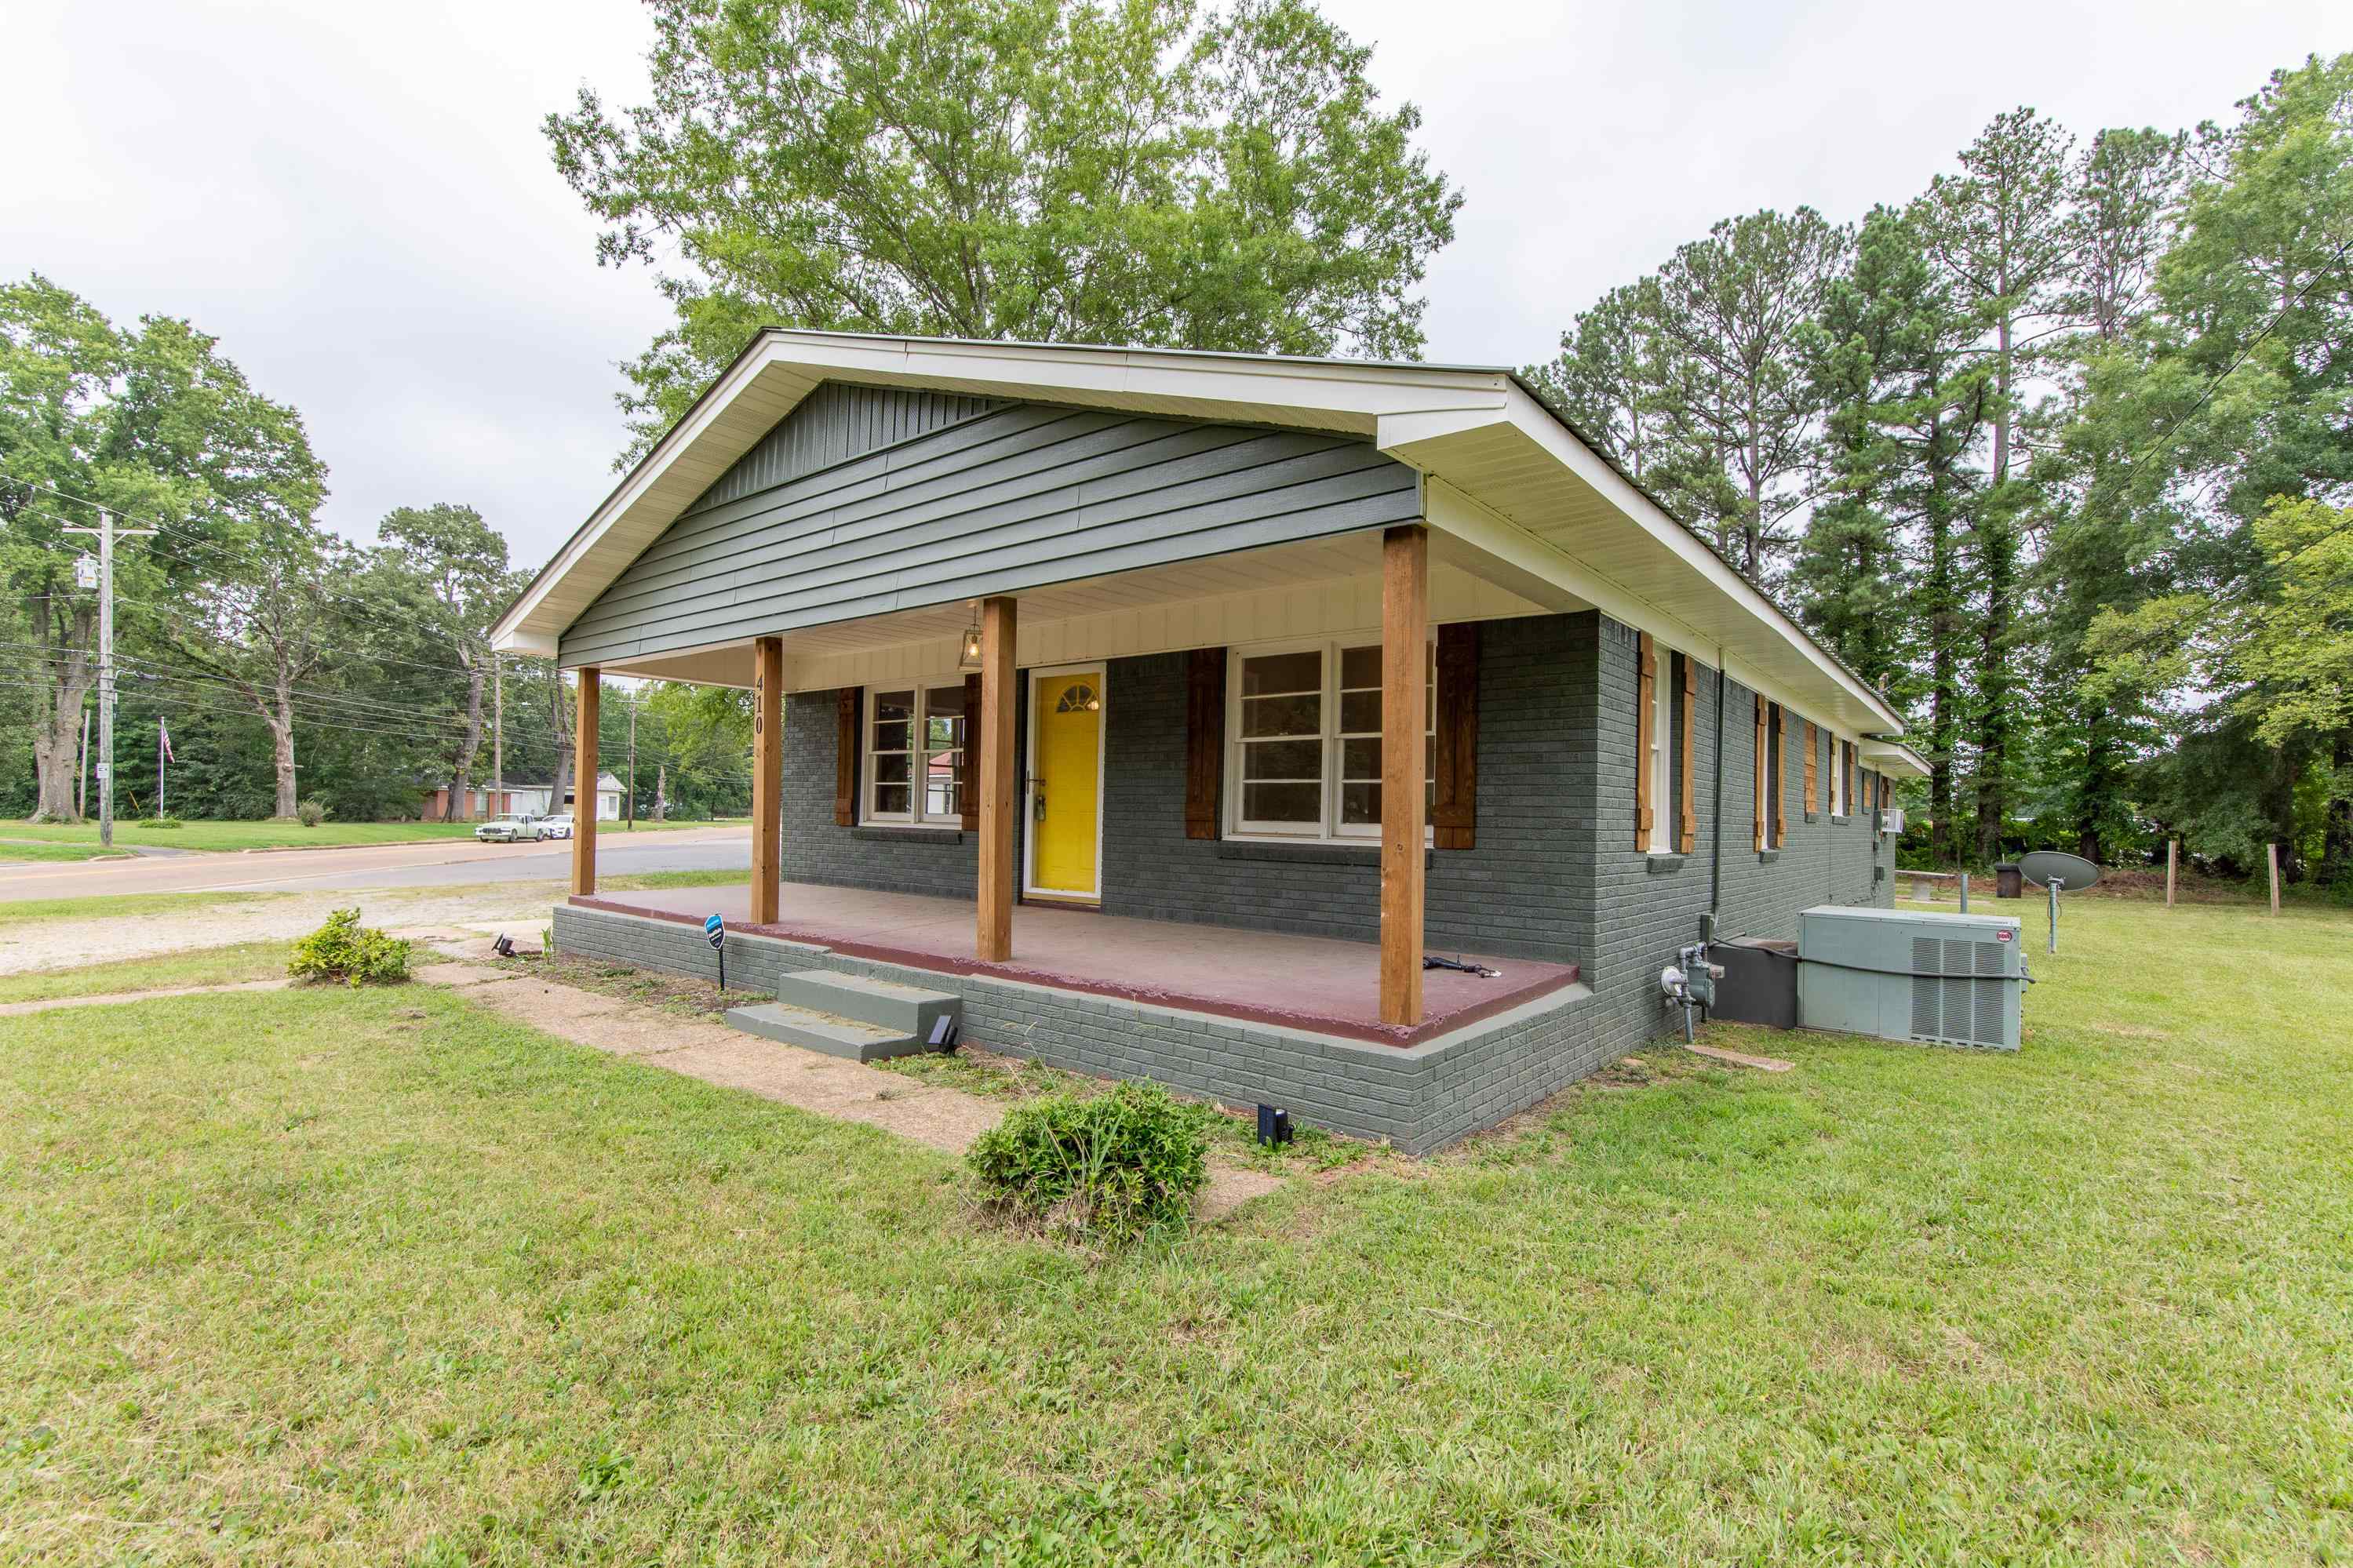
(717, 930)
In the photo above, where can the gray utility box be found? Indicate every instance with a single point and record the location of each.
(1956, 980)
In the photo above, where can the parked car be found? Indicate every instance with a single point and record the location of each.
(558, 827)
(513, 828)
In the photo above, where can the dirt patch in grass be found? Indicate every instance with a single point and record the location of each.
(683, 995)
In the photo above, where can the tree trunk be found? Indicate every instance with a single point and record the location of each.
(56, 739)
(469, 747)
(2095, 774)
(1999, 554)
(280, 718)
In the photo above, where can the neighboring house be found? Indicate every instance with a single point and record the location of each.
(1127, 632)
(497, 799)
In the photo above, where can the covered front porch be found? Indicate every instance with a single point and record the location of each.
(1313, 984)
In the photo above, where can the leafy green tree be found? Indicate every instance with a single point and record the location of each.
(1027, 169)
(1731, 313)
(2233, 405)
(153, 423)
(452, 575)
(1610, 376)
(2125, 203)
(2002, 230)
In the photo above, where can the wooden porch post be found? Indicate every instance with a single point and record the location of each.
(1404, 662)
(997, 629)
(583, 785)
(767, 776)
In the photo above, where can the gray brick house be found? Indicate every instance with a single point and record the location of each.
(1167, 709)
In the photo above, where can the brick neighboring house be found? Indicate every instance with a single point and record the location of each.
(1089, 681)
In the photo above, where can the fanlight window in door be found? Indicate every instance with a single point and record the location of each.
(1078, 698)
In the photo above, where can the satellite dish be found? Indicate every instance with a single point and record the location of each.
(2054, 869)
(2043, 867)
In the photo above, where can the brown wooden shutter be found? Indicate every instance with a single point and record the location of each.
(1687, 838)
(1205, 739)
(1763, 774)
(1454, 814)
(969, 760)
(1781, 785)
(1646, 709)
(1813, 779)
(845, 757)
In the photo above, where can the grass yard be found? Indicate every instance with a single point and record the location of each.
(203, 966)
(28, 849)
(121, 906)
(268, 834)
(375, 1276)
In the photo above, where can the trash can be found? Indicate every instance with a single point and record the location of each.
(2006, 882)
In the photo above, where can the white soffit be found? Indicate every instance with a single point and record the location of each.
(1520, 482)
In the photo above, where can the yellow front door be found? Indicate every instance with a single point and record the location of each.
(1066, 782)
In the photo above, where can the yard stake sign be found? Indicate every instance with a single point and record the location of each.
(717, 930)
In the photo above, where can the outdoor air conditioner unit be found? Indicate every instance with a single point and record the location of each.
(1957, 980)
(1892, 820)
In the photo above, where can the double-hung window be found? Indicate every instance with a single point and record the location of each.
(1662, 783)
(1304, 731)
(915, 752)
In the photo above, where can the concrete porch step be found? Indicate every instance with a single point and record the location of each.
(886, 1005)
(813, 1031)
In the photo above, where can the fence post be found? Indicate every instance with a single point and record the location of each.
(2271, 852)
(2172, 854)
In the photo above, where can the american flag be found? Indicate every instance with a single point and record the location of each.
(164, 734)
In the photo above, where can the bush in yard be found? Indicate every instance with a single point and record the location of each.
(312, 813)
(347, 951)
(163, 824)
(1112, 1165)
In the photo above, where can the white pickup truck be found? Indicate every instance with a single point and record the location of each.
(515, 827)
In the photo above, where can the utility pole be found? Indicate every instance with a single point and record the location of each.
(632, 796)
(107, 533)
(498, 733)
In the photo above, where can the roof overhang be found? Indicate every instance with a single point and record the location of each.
(1506, 480)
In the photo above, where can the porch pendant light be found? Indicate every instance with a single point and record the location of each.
(971, 657)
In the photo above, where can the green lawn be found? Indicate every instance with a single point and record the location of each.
(369, 1277)
(203, 966)
(121, 906)
(17, 850)
(270, 835)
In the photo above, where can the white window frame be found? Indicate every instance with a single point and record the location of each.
(918, 753)
(1665, 691)
(1838, 775)
(1327, 828)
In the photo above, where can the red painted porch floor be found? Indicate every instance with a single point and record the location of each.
(1314, 983)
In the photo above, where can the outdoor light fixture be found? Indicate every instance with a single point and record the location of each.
(1274, 1126)
(971, 658)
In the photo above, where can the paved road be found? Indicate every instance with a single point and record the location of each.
(446, 863)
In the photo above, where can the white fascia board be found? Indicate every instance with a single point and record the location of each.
(1893, 757)
(1536, 422)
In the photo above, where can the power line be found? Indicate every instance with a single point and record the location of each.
(367, 608)
(362, 707)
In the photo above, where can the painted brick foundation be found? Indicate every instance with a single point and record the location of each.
(1419, 1098)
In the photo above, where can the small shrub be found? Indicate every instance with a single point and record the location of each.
(310, 813)
(163, 823)
(347, 951)
(1112, 1166)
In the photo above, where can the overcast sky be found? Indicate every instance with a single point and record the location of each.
(357, 201)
